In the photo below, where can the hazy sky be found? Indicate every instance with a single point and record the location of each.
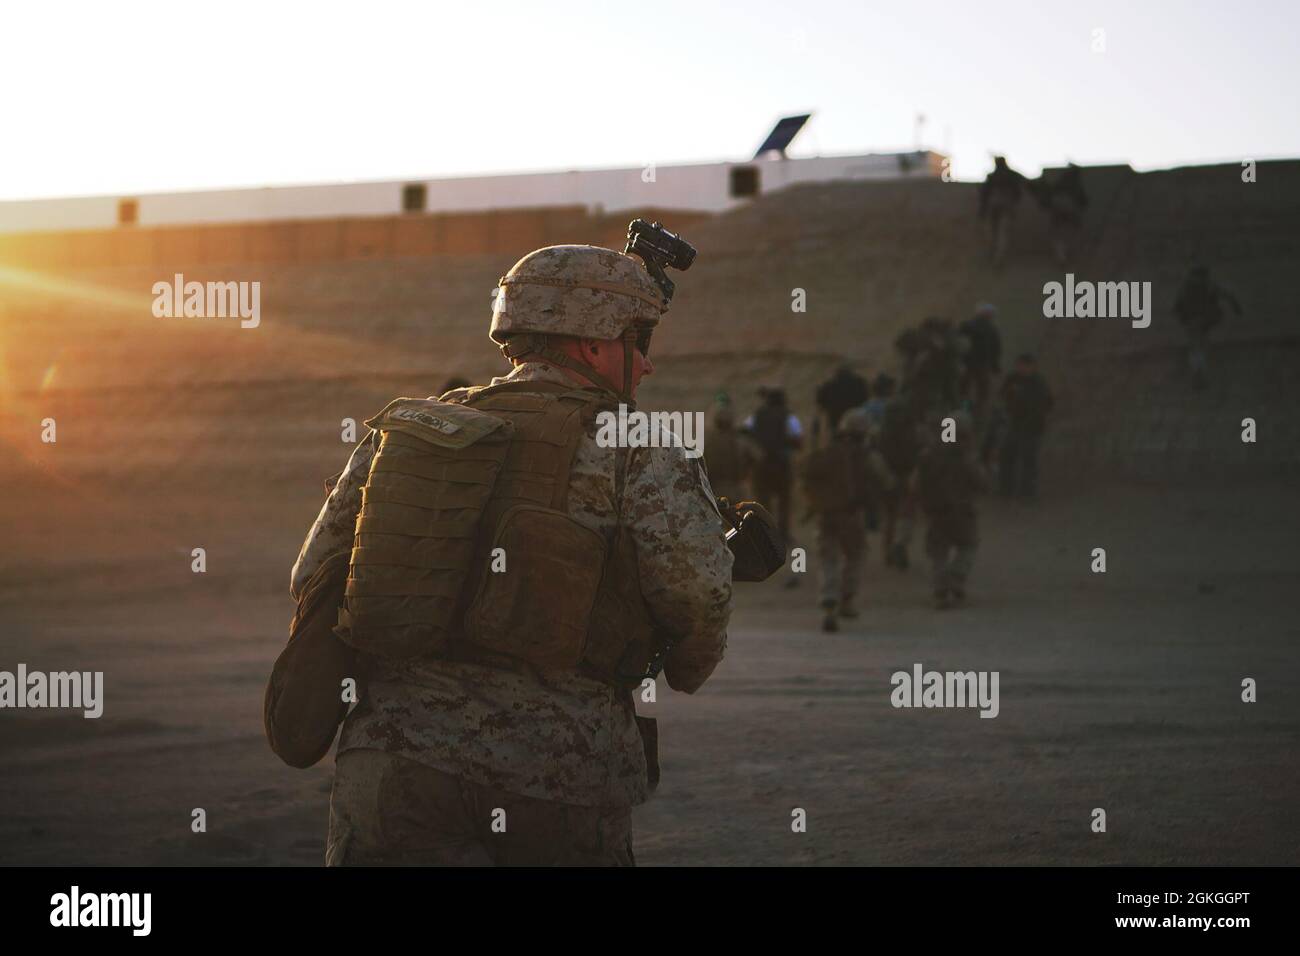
(138, 97)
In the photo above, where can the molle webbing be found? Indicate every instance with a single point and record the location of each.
(429, 483)
(539, 610)
(549, 421)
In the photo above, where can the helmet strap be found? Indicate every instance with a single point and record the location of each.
(629, 344)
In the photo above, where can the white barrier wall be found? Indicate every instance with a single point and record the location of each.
(703, 187)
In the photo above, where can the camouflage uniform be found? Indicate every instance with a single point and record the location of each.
(434, 744)
(842, 515)
(948, 477)
(423, 816)
(900, 443)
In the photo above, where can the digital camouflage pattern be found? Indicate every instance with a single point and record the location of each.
(587, 291)
(389, 811)
(554, 735)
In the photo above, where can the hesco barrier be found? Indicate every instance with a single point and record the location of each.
(512, 231)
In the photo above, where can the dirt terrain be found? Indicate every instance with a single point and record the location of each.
(1119, 691)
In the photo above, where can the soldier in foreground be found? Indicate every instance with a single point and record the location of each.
(498, 656)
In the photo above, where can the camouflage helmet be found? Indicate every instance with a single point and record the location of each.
(586, 291)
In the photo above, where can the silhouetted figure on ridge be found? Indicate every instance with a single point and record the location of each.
(999, 196)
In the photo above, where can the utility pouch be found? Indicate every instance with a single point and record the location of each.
(536, 594)
(622, 638)
(303, 704)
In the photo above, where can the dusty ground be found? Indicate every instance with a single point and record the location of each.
(1119, 691)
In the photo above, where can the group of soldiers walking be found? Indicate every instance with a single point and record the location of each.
(928, 442)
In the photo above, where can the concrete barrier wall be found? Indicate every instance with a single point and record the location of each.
(509, 232)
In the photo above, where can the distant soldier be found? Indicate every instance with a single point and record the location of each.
(999, 196)
(932, 362)
(1199, 308)
(882, 390)
(730, 455)
(778, 435)
(841, 480)
(900, 443)
(948, 478)
(982, 360)
(1064, 200)
(842, 391)
(1026, 402)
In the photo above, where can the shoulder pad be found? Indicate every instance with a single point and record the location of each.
(440, 423)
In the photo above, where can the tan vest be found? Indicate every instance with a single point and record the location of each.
(465, 550)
